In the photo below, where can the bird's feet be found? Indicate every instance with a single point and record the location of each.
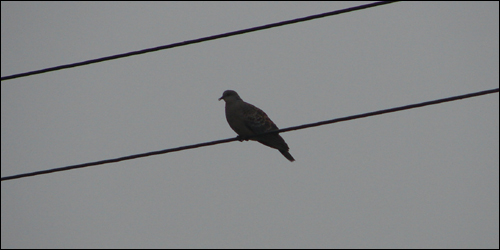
(240, 138)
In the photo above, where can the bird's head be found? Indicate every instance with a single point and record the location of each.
(229, 95)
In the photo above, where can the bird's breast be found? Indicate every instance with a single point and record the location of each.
(237, 122)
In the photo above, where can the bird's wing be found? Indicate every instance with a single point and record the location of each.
(256, 120)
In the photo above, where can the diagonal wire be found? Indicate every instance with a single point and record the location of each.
(352, 117)
(208, 38)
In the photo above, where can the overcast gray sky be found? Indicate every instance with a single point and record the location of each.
(421, 178)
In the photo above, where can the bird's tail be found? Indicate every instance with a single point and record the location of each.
(287, 155)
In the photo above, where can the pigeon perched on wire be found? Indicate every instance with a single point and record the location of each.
(246, 120)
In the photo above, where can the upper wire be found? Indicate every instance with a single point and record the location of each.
(199, 40)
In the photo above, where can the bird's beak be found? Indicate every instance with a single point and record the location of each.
(220, 98)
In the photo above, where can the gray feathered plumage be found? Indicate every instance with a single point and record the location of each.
(246, 120)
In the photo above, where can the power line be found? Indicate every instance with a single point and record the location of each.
(352, 117)
(199, 40)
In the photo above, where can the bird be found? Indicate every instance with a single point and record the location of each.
(247, 120)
